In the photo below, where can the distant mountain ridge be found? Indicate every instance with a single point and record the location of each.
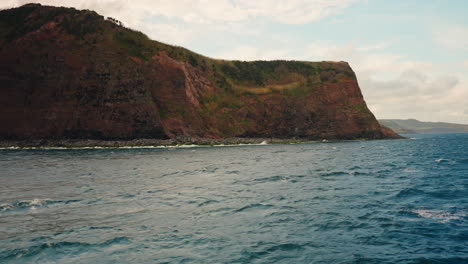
(74, 74)
(409, 126)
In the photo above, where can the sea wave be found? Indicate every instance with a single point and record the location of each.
(272, 179)
(31, 204)
(91, 147)
(333, 173)
(254, 206)
(181, 146)
(59, 247)
(302, 203)
(442, 160)
(441, 216)
(409, 192)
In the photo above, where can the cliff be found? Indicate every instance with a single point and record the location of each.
(66, 73)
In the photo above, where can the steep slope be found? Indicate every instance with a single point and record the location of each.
(66, 73)
(415, 126)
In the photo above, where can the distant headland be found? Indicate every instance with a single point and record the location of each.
(409, 126)
(68, 74)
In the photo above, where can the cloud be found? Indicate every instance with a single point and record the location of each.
(425, 95)
(207, 11)
(374, 47)
(181, 21)
(294, 11)
(452, 37)
(399, 98)
(254, 53)
(170, 33)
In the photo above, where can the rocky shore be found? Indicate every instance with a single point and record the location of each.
(179, 141)
(89, 143)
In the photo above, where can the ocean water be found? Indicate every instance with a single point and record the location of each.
(394, 201)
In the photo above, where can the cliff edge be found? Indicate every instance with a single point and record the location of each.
(73, 74)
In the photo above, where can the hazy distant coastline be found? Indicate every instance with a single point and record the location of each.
(409, 126)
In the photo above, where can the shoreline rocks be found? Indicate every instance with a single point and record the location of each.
(179, 141)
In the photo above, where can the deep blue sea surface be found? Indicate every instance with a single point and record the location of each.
(387, 201)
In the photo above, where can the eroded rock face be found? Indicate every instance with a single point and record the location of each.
(73, 74)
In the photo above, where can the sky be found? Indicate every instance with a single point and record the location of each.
(410, 57)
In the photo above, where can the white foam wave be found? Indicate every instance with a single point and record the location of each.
(135, 147)
(440, 215)
(410, 170)
(38, 201)
(33, 204)
(92, 147)
(5, 207)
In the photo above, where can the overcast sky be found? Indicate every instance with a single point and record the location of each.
(410, 57)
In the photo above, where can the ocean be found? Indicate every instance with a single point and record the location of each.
(383, 201)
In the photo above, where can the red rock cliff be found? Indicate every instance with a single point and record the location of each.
(66, 73)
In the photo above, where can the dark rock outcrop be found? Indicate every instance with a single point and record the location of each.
(70, 74)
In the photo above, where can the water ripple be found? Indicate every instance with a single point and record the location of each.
(32, 204)
(396, 201)
(63, 247)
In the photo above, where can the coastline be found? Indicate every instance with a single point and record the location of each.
(153, 143)
(139, 143)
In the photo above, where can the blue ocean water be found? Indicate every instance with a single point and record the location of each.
(388, 201)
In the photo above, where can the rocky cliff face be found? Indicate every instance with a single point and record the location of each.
(66, 73)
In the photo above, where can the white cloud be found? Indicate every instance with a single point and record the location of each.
(180, 21)
(294, 11)
(428, 95)
(452, 37)
(425, 105)
(170, 33)
(254, 53)
(374, 47)
(204, 11)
